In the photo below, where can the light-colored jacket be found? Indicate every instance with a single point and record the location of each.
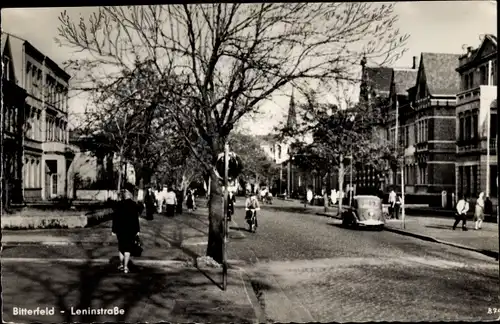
(171, 198)
(462, 207)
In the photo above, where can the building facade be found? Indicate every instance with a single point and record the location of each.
(374, 87)
(13, 100)
(427, 130)
(476, 158)
(46, 155)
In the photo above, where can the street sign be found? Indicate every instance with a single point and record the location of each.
(234, 168)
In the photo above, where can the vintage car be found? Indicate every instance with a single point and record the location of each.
(364, 211)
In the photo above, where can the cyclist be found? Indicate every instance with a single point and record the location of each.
(251, 206)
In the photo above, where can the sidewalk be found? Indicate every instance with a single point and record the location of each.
(163, 285)
(174, 293)
(440, 230)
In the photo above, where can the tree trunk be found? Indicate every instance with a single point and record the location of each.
(215, 210)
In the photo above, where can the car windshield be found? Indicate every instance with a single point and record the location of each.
(367, 203)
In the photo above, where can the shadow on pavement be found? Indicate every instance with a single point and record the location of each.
(289, 209)
(446, 227)
(240, 229)
(358, 228)
(146, 293)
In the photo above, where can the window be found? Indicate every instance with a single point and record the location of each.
(468, 183)
(461, 128)
(460, 180)
(465, 82)
(474, 180)
(471, 80)
(494, 72)
(483, 75)
(6, 68)
(468, 125)
(493, 181)
(26, 173)
(493, 126)
(29, 79)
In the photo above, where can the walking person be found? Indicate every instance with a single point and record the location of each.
(180, 198)
(309, 196)
(479, 211)
(333, 197)
(392, 202)
(230, 205)
(461, 213)
(126, 228)
(190, 201)
(160, 199)
(150, 202)
(171, 201)
(397, 206)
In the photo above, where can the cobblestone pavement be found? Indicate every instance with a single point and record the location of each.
(305, 268)
(328, 273)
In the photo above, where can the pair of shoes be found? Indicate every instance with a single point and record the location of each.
(125, 270)
(121, 267)
(454, 228)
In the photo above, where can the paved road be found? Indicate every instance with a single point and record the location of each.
(329, 273)
(306, 268)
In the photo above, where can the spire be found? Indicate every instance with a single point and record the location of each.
(292, 115)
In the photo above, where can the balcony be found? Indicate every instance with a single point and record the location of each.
(469, 145)
(483, 92)
(56, 147)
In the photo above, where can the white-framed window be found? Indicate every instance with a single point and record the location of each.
(53, 185)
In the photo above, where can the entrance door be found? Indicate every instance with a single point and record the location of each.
(53, 185)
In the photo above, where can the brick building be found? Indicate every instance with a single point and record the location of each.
(427, 129)
(375, 85)
(476, 105)
(44, 126)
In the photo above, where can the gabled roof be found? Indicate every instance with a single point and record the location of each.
(440, 71)
(404, 79)
(487, 37)
(379, 78)
(467, 59)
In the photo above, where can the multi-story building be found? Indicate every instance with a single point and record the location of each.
(13, 99)
(374, 88)
(476, 159)
(45, 124)
(427, 128)
(399, 105)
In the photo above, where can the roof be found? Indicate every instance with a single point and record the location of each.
(16, 47)
(440, 72)
(404, 79)
(4, 41)
(379, 78)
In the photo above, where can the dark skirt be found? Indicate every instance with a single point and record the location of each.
(189, 204)
(170, 210)
(126, 242)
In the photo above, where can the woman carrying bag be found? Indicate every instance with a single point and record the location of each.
(126, 228)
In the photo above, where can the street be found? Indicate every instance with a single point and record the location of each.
(303, 267)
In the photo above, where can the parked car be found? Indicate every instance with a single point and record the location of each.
(366, 210)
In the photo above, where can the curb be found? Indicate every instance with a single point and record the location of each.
(489, 253)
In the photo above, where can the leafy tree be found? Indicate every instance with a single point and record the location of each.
(215, 63)
(257, 164)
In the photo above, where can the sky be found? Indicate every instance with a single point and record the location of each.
(434, 26)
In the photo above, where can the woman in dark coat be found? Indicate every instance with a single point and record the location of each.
(126, 228)
(150, 202)
(190, 201)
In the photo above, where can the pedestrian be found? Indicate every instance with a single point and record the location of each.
(333, 197)
(126, 228)
(479, 211)
(230, 205)
(309, 196)
(189, 201)
(392, 202)
(461, 213)
(180, 199)
(171, 201)
(150, 202)
(397, 206)
(160, 199)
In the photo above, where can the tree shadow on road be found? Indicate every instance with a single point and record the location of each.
(357, 228)
(146, 293)
(290, 209)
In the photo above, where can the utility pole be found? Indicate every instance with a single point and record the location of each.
(488, 126)
(225, 210)
(402, 165)
(289, 177)
(351, 193)
(341, 183)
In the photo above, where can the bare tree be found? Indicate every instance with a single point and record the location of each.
(216, 63)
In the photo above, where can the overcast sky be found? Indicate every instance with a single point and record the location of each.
(443, 27)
